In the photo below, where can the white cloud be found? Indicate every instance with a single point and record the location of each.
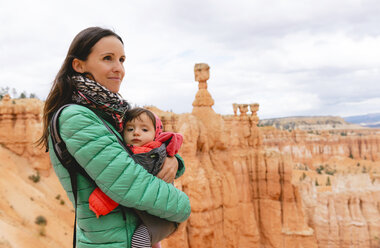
(372, 105)
(293, 57)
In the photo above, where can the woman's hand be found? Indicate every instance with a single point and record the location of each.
(169, 169)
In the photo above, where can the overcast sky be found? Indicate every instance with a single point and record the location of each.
(295, 57)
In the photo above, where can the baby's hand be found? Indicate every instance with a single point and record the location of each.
(175, 142)
(169, 170)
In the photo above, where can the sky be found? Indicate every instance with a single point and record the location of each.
(294, 57)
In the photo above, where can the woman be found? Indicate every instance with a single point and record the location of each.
(90, 77)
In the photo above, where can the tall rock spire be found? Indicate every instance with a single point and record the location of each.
(203, 97)
(202, 109)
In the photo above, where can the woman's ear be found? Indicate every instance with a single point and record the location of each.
(78, 65)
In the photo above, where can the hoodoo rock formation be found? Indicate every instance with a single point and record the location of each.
(347, 216)
(241, 195)
(248, 186)
(320, 145)
(20, 127)
(34, 209)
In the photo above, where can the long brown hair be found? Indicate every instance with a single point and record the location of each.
(62, 89)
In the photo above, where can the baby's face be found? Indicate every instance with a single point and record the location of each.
(139, 131)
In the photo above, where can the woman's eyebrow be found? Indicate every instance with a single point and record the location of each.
(106, 53)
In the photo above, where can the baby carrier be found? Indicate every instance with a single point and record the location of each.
(151, 161)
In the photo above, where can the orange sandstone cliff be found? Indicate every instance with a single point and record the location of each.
(320, 145)
(248, 186)
(338, 174)
(29, 190)
(241, 195)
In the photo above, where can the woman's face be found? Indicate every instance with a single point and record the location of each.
(105, 63)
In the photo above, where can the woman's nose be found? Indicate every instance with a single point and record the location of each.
(118, 66)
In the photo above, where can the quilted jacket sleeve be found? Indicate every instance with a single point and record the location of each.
(117, 175)
(181, 166)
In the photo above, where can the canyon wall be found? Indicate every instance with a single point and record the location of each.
(347, 213)
(241, 195)
(309, 123)
(21, 127)
(34, 209)
(244, 177)
(346, 216)
(318, 146)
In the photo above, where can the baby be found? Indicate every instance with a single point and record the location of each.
(150, 146)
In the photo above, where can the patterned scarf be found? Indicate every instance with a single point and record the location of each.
(91, 94)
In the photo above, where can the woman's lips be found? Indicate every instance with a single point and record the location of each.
(115, 79)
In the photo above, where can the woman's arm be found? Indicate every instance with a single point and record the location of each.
(117, 175)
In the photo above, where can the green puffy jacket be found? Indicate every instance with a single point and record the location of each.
(117, 175)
